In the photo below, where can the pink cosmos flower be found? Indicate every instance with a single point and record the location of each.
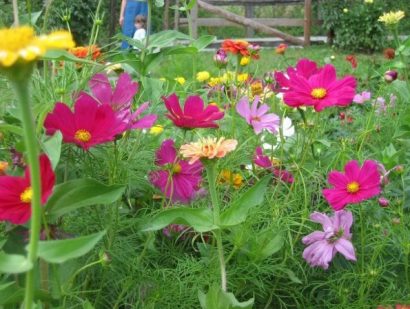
(16, 193)
(265, 162)
(257, 117)
(323, 246)
(304, 67)
(194, 114)
(179, 180)
(88, 125)
(361, 98)
(320, 90)
(357, 184)
(120, 99)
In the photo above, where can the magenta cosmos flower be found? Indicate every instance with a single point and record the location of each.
(265, 162)
(257, 116)
(194, 114)
(335, 237)
(304, 67)
(178, 180)
(16, 193)
(88, 125)
(120, 99)
(357, 184)
(320, 90)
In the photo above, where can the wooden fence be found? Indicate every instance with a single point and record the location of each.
(252, 24)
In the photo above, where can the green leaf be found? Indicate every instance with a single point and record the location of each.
(11, 128)
(191, 4)
(159, 3)
(203, 41)
(63, 55)
(60, 251)
(52, 147)
(30, 18)
(237, 212)
(14, 264)
(136, 43)
(200, 219)
(218, 299)
(80, 193)
(292, 276)
(402, 89)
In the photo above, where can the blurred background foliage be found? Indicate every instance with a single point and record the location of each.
(358, 26)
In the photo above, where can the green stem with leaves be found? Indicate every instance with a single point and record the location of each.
(211, 173)
(21, 88)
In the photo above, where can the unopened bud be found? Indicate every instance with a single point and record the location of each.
(383, 202)
(390, 76)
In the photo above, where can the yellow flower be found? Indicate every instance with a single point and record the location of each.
(243, 77)
(245, 61)
(208, 148)
(256, 88)
(391, 18)
(345, 10)
(202, 76)
(234, 179)
(368, 1)
(180, 80)
(162, 79)
(156, 130)
(20, 44)
(113, 67)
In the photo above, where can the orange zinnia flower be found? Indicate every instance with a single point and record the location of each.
(208, 148)
(236, 47)
(281, 49)
(83, 51)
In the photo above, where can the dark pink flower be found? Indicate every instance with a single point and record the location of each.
(265, 162)
(320, 90)
(88, 125)
(16, 193)
(304, 67)
(257, 116)
(120, 99)
(323, 246)
(194, 114)
(178, 179)
(356, 185)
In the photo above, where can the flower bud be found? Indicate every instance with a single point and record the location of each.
(221, 58)
(399, 169)
(383, 202)
(390, 76)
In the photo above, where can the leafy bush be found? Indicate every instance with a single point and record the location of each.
(353, 23)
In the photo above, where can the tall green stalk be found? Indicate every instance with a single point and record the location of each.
(21, 88)
(211, 173)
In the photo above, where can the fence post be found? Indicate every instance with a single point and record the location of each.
(194, 21)
(307, 22)
(249, 14)
(176, 15)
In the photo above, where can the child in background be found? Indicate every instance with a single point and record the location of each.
(140, 33)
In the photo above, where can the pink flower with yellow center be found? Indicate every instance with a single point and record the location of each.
(88, 125)
(356, 185)
(208, 148)
(16, 193)
(177, 179)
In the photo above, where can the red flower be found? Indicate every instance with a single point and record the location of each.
(194, 115)
(90, 124)
(236, 47)
(16, 193)
(353, 60)
(389, 53)
(281, 49)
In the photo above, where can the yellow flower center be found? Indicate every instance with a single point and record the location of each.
(176, 168)
(82, 136)
(353, 187)
(318, 93)
(26, 195)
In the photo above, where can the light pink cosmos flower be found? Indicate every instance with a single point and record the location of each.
(356, 185)
(256, 116)
(120, 99)
(335, 237)
(361, 98)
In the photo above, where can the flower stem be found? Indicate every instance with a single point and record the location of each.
(30, 140)
(211, 173)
